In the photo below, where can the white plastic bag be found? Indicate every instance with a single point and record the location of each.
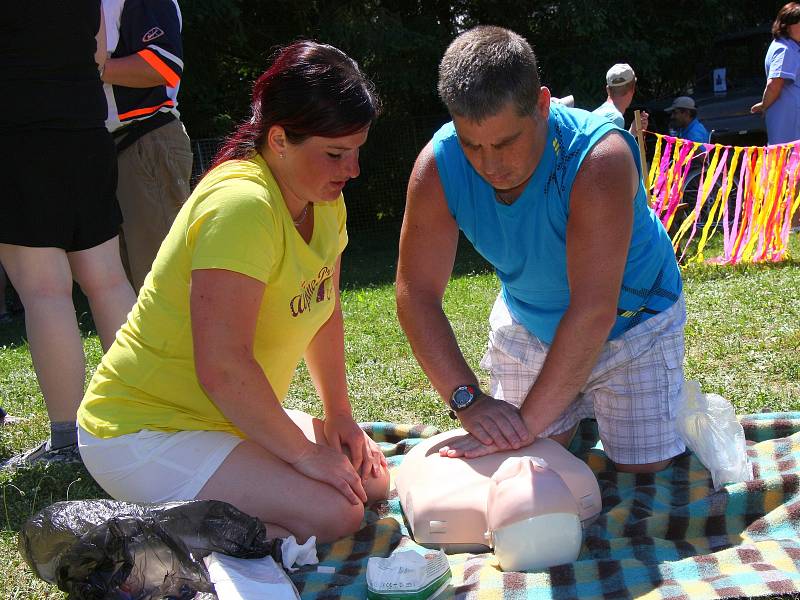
(708, 425)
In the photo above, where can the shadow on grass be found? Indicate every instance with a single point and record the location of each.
(30, 489)
(710, 272)
(13, 334)
(371, 259)
(707, 271)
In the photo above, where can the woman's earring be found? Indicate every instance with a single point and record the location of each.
(282, 155)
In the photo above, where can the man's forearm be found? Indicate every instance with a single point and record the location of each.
(434, 345)
(577, 345)
(131, 71)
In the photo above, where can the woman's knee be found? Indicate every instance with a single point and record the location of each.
(98, 269)
(34, 288)
(37, 273)
(95, 282)
(339, 519)
(377, 488)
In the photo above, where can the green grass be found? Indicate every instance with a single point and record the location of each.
(742, 340)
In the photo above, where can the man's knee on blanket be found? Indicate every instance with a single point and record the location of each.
(653, 467)
(565, 437)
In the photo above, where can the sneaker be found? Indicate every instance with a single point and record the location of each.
(44, 454)
(7, 419)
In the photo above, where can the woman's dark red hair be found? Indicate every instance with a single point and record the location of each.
(311, 89)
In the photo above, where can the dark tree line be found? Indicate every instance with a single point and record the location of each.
(399, 43)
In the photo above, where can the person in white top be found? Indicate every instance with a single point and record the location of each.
(620, 87)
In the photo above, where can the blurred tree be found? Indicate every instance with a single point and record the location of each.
(399, 43)
(576, 41)
(228, 44)
(213, 83)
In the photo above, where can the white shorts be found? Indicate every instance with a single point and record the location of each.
(155, 466)
(633, 390)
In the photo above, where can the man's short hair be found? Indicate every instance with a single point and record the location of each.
(615, 91)
(485, 68)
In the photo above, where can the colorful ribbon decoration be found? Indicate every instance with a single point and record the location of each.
(748, 193)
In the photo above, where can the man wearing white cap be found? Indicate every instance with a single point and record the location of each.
(683, 121)
(620, 87)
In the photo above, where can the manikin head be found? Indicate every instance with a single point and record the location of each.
(532, 517)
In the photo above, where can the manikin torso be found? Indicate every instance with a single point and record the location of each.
(445, 499)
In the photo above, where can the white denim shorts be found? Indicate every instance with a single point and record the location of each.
(633, 391)
(155, 466)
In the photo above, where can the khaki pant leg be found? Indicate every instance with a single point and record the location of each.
(153, 184)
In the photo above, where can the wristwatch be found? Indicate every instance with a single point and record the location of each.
(463, 397)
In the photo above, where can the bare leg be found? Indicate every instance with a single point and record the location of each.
(565, 437)
(262, 485)
(100, 274)
(3, 305)
(645, 468)
(377, 488)
(43, 281)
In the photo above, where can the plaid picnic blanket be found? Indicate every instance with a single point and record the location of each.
(660, 536)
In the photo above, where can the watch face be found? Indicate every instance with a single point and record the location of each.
(463, 396)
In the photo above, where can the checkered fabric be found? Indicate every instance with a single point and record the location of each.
(632, 390)
(660, 536)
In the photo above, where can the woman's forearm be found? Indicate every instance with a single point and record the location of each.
(242, 392)
(224, 308)
(772, 92)
(325, 361)
(325, 357)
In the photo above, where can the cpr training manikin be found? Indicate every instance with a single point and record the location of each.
(529, 505)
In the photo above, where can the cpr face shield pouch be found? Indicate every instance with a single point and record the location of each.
(532, 516)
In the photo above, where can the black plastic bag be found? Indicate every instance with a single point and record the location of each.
(95, 549)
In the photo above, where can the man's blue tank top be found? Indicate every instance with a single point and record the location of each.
(526, 241)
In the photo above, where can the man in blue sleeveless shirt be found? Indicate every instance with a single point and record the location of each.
(589, 320)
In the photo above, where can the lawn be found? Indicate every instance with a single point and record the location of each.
(742, 340)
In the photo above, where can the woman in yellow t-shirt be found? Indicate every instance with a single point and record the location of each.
(187, 402)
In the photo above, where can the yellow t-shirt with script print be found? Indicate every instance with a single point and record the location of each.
(236, 220)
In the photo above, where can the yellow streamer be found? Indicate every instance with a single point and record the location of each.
(761, 183)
